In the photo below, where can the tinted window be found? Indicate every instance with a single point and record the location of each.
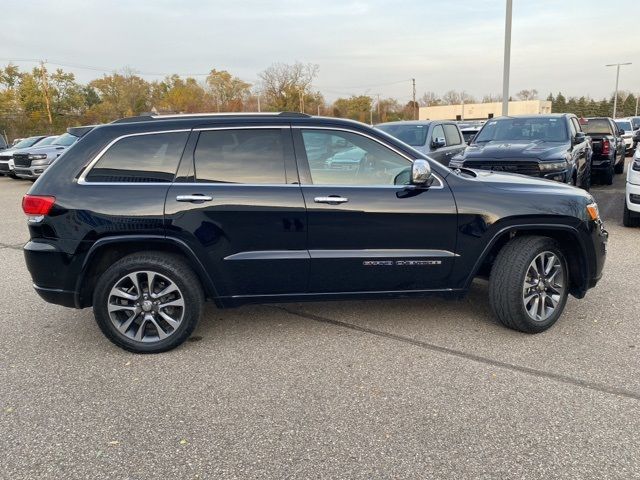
(438, 132)
(452, 135)
(534, 128)
(414, 135)
(240, 156)
(47, 141)
(626, 126)
(576, 125)
(141, 158)
(65, 140)
(27, 142)
(597, 126)
(345, 158)
(636, 123)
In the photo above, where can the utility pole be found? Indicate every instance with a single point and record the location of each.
(301, 100)
(378, 105)
(415, 110)
(637, 98)
(615, 98)
(318, 109)
(45, 88)
(462, 101)
(258, 103)
(507, 59)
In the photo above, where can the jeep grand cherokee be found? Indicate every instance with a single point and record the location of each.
(145, 218)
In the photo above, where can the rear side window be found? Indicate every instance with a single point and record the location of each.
(240, 156)
(452, 135)
(140, 158)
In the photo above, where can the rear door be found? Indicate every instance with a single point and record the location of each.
(368, 230)
(238, 203)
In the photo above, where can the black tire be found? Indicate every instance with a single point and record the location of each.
(619, 168)
(171, 267)
(607, 176)
(586, 179)
(629, 218)
(507, 280)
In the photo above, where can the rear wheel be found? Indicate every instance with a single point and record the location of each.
(619, 168)
(529, 283)
(148, 302)
(585, 184)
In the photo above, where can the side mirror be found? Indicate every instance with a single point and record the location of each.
(471, 138)
(438, 142)
(421, 172)
(580, 137)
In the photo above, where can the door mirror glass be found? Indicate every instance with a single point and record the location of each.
(421, 172)
(438, 142)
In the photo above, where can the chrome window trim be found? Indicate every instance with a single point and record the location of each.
(82, 179)
(357, 132)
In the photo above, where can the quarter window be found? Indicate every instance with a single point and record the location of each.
(451, 134)
(345, 158)
(140, 158)
(240, 156)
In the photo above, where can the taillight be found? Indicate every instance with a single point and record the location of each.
(37, 204)
(606, 146)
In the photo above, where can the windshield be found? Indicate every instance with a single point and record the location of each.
(513, 129)
(414, 135)
(596, 125)
(47, 141)
(626, 126)
(27, 142)
(65, 140)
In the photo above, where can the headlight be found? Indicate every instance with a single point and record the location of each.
(636, 164)
(592, 211)
(42, 161)
(37, 156)
(553, 166)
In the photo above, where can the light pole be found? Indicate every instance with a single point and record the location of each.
(615, 98)
(507, 59)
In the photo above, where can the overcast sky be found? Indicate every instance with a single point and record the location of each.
(361, 47)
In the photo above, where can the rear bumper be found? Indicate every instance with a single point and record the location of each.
(66, 298)
(600, 162)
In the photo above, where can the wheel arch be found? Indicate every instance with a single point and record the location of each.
(567, 237)
(105, 251)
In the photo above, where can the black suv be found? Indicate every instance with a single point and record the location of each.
(145, 218)
(546, 146)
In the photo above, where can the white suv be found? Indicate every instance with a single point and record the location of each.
(632, 193)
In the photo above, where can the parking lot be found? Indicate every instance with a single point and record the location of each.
(420, 388)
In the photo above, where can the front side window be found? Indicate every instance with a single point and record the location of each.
(438, 132)
(140, 158)
(344, 158)
(65, 140)
(411, 134)
(250, 156)
(451, 134)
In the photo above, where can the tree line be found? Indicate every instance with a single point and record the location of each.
(44, 101)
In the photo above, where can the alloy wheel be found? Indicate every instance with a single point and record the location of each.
(544, 286)
(146, 306)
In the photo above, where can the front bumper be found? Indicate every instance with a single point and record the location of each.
(633, 202)
(5, 169)
(32, 172)
(599, 240)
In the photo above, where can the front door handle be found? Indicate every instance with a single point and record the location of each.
(196, 197)
(331, 199)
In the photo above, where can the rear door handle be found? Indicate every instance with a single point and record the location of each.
(196, 197)
(331, 199)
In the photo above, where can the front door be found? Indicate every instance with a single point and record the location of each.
(239, 206)
(368, 230)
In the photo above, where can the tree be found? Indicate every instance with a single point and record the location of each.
(284, 87)
(429, 99)
(229, 93)
(527, 94)
(354, 107)
(560, 105)
(121, 95)
(492, 98)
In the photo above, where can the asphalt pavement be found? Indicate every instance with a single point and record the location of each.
(414, 388)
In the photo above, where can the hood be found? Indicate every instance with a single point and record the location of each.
(48, 149)
(526, 150)
(526, 184)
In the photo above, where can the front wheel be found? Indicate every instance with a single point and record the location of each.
(629, 218)
(529, 284)
(148, 302)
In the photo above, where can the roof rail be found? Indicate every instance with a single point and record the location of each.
(294, 114)
(139, 118)
(150, 117)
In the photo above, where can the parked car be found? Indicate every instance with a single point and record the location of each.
(547, 146)
(145, 218)
(608, 146)
(441, 140)
(6, 156)
(626, 127)
(469, 130)
(635, 124)
(631, 217)
(30, 163)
